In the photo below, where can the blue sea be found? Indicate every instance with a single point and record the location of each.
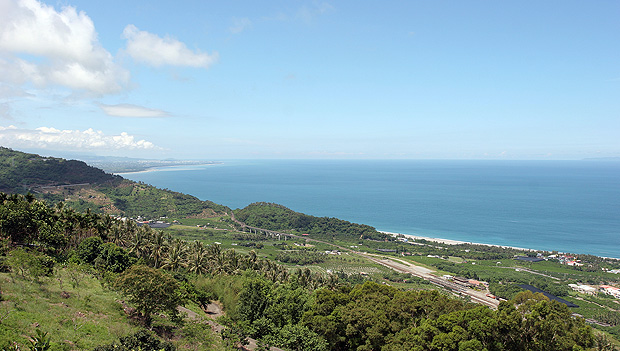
(568, 206)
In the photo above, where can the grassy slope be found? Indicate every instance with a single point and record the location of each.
(90, 316)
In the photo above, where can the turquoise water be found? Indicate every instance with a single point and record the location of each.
(569, 206)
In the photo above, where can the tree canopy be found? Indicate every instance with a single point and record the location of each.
(150, 290)
(277, 217)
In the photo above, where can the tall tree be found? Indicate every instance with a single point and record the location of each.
(175, 256)
(197, 260)
(150, 290)
(159, 245)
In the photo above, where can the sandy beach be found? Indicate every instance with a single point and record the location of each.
(167, 168)
(455, 242)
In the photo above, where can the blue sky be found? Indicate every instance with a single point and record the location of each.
(312, 79)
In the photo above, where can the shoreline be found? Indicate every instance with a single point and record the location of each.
(456, 242)
(459, 242)
(164, 167)
(169, 180)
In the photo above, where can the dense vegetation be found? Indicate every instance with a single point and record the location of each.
(277, 217)
(87, 188)
(297, 311)
(154, 271)
(139, 199)
(371, 316)
(20, 171)
(83, 280)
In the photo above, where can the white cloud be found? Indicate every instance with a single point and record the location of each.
(240, 24)
(89, 139)
(156, 51)
(308, 12)
(5, 111)
(7, 91)
(67, 42)
(128, 110)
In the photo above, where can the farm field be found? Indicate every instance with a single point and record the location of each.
(502, 274)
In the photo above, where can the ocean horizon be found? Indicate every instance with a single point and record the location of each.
(566, 206)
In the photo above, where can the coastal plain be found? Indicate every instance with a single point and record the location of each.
(267, 243)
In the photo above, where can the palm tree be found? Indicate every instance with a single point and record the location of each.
(332, 281)
(158, 246)
(251, 260)
(197, 260)
(214, 250)
(215, 258)
(60, 206)
(117, 235)
(232, 262)
(284, 274)
(273, 271)
(103, 225)
(138, 243)
(175, 256)
(304, 277)
(130, 229)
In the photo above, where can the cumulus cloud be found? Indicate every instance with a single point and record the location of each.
(64, 47)
(156, 51)
(128, 110)
(47, 137)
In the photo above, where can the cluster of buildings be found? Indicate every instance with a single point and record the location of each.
(568, 260)
(470, 283)
(584, 289)
(334, 252)
(610, 290)
(591, 290)
(614, 271)
(141, 221)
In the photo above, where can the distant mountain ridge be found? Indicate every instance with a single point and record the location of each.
(20, 172)
(84, 187)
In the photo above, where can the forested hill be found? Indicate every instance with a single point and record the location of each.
(83, 187)
(63, 271)
(277, 217)
(20, 172)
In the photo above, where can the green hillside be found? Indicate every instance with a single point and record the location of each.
(82, 280)
(21, 172)
(277, 217)
(83, 187)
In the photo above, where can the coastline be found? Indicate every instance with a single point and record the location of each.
(178, 167)
(293, 184)
(456, 242)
